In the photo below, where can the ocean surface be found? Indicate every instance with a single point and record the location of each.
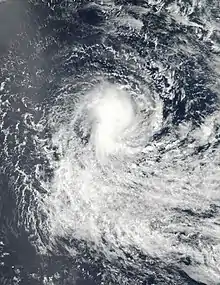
(110, 142)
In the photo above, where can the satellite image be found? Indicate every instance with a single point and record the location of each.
(109, 142)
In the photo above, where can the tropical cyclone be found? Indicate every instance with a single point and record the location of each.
(111, 138)
(117, 180)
